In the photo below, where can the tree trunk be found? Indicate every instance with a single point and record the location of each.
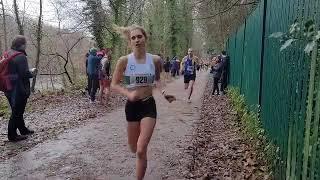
(16, 12)
(63, 78)
(98, 23)
(173, 31)
(39, 36)
(4, 26)
(74, 71)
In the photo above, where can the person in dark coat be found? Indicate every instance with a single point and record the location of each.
(225, 59)
(174, 66)
(18, 96)
(216, 73)
(88, 79)
(93, 72)
(166, 68)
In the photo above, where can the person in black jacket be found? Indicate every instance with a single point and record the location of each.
(217, 67)
(88, 79)
(18, 96)
(225, 59)
(166, 67)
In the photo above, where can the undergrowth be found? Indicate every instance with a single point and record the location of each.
(252, 129)
(4, 107)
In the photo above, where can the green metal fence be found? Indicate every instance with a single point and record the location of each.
(285, 84)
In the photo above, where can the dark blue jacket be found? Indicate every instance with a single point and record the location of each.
(93, 64)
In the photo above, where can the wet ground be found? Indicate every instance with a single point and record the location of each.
(97, 148)
(52, 114)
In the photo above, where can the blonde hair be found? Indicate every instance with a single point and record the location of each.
(125, 31)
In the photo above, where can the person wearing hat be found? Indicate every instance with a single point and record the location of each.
(93, 72)
(18, 94)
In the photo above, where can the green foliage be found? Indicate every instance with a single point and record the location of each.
(170, 26)
(252, 128)
(4, 107)
(96, 18)
(303, 33)
(168, 23)
(80, 84)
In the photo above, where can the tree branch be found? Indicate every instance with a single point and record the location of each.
(75, 44)
(236, 3)
(132, 12)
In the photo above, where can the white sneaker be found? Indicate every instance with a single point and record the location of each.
(189, 100)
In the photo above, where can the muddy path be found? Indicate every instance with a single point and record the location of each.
(97, 148)
(51, 115)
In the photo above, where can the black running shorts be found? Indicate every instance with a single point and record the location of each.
(136, 111)
(188, 78)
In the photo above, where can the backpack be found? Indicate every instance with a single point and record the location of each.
(5, 81)
(105, 63)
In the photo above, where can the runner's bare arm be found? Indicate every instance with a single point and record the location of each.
(157, 63)
(196, 59)
(159, 85)
(182, 64)
(117, 76)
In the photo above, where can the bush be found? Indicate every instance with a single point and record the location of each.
(4, 107)
(252, 128)
(80, 84)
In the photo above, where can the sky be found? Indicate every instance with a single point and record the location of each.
(32, 9)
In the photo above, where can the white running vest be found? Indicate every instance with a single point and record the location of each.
(139, 75)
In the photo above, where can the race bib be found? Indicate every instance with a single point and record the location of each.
(140, 80)
(190, 69)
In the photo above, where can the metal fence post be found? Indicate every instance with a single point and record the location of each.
(262, 47)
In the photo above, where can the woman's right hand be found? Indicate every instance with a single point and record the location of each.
(133, 96)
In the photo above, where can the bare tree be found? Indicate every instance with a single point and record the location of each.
(16, 12)
(24, 13)
(4, 26)
(219, 18)
(66, 60)
(39, 36)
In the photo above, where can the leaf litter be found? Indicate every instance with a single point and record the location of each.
(217, 148)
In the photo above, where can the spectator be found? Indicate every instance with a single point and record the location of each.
(174, 66)
(20, 92)
(88, 79)
(216, 72)
(178, 66)
(162, 62)
(225, 59)
(167, 67)
(93, 71)
(104, 75)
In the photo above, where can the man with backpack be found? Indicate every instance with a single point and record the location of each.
(14, 82)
